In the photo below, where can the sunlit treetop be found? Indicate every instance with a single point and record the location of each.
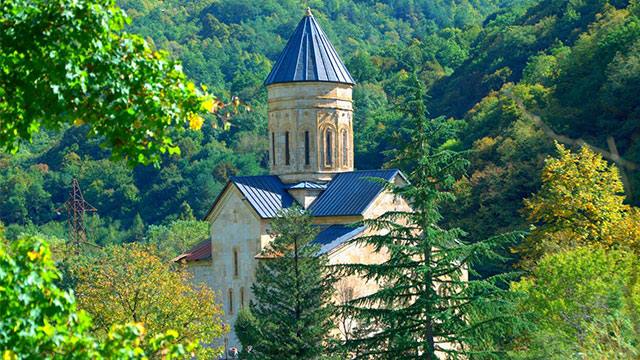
(581, 202)
(69, 62)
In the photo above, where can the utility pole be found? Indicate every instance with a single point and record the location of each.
(76, 207)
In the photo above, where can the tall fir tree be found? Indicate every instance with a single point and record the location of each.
(426, 306)
(292, 292)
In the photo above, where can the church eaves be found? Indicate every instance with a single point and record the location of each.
(332, 236)
(309, 56)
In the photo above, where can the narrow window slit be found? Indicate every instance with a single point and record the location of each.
(306, 148)
(287, 158)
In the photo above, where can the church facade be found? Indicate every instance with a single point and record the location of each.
(310, 122)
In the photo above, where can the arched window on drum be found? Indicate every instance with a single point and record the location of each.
(328, 147)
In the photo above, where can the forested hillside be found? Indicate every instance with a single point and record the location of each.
(229, 46)
(488, 65)
(516, 123)
(552, 72)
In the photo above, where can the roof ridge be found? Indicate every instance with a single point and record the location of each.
(363, 170)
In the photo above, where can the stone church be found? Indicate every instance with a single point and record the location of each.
(311, 164)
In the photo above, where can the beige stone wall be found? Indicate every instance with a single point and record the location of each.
(386, 202)
(356, 254)
(201, 272)
(319, 108)
(305, 197)
(235, 229)
(351, 287)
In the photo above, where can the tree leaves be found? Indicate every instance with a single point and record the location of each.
(69, 62)
(581, 202)
(131, 284)
(38, 320)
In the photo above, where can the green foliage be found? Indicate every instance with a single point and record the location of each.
(580, 202)
(582, 301)
(129, 283)
(507, 153)
(31, 193)
(246, 329)
(234, 57)
(38, 320)
(573, 64)
(69, 62)
(23, 197)
(177, 237)
(292, 291)
(232, 44)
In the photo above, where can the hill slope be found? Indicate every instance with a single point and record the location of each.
(489, 65)
(229, 46)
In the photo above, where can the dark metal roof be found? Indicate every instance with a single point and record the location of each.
(351, 193)
(266, 193)
(309, 56)
(201, 251)
(335, 235)
(307, 185)
(348, 193)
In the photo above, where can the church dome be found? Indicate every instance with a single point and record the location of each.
(309, 56)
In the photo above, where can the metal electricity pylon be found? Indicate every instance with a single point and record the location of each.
(76, 207)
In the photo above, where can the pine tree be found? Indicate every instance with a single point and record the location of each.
(137, 231)
(426, 305)
(186, 212)
(291, 292)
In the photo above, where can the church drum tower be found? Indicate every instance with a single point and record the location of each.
(310, 108)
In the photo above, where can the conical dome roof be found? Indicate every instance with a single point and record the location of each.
(309, 56)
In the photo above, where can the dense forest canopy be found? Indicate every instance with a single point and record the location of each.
(512, 76)
(516, 123)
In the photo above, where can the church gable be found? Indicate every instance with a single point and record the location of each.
(232, 207)
(266, 195)
(388, 201)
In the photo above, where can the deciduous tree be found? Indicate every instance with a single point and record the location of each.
(583, 302)
(130, 283)
(70, 62)
(581, 202)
